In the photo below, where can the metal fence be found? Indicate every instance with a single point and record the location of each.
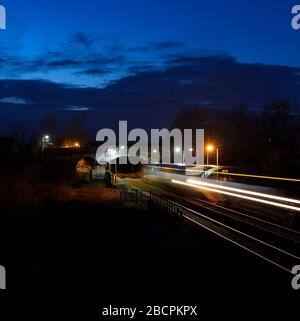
(142, 196)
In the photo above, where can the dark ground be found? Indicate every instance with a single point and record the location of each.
(92, 256)
(74, 257)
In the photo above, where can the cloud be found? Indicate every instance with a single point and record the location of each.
(84, 39)
(77, 108)
(94, 72)
(64, 63)
(14, 100)
(165, 45)
(85, 54)
(80, 54)
(2, 61)
(158, 46)
(151, 96)
(137, 69)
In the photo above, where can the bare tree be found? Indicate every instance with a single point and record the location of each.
(74, 132)
(48, 125)
(17, 130)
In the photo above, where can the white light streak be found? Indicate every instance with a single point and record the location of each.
(294, 208)
(239, 190)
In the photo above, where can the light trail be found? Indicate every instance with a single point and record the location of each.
(294, 208)
(243, 191)
(250, 216)
(250, 175)
(187, 212)
(229, 173)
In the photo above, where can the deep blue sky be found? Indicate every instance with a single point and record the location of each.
(124, 53)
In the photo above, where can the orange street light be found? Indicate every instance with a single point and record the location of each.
(210, 148)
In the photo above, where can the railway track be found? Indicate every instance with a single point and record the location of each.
(277, 244)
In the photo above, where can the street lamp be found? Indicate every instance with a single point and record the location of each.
(45, 141)
(210, 148)
(178, 150)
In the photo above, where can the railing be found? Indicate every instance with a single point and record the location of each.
(125, 196)
(142, 196)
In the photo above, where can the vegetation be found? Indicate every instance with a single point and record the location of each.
(266, 142)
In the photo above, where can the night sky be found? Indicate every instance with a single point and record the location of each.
(143, 61)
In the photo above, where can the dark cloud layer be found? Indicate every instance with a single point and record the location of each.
(151, 96)
(84, 54)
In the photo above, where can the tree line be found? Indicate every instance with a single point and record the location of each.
(265, 141)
